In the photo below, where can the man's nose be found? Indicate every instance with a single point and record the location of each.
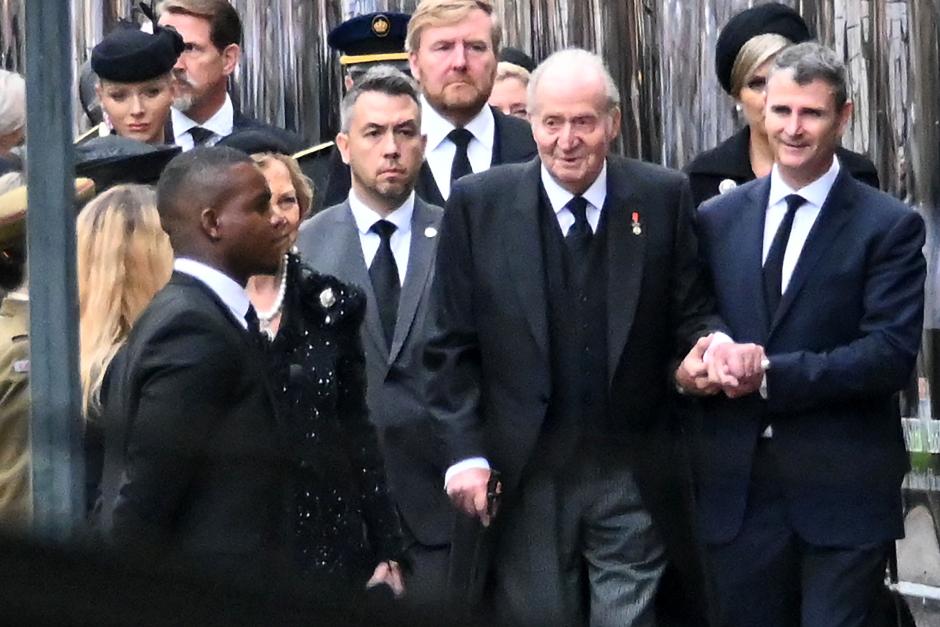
(459, 57)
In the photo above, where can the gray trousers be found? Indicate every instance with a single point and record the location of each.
(577, 548)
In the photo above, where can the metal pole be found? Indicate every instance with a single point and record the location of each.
(56, 429)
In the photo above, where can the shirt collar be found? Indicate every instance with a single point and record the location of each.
(365, 217)
(230, 292)
(222, 122)
(558, 196)
(815, 193)
(437, 127)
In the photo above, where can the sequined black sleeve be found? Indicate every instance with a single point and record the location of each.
(360, 437)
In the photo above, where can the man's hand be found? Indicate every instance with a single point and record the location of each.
(388, 573)
(737, 368)
(692, 373)
(467, 491)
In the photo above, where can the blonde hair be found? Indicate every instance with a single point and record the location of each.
(752, 55)
(124, 258)
(505, 69)
(448, 13)
(303, 186)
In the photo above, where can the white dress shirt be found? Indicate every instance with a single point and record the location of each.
(558, 196)
(230, 292)
(440, 150)
(222, 123)
(400, 241)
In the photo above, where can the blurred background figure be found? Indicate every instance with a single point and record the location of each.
(124, 258)
(509, 90)
(745, 50)
(15, 481)
(135, 85)
(12, 119)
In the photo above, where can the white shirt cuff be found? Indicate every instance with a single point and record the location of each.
(467, 464)
(718, 338)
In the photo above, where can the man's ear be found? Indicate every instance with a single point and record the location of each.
(845, 115)
(413, 64)
(342, 144)
(615, 117)
(211, 224)
(230, 57)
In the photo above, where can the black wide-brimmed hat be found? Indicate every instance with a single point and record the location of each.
(112, 160)
(770, 18)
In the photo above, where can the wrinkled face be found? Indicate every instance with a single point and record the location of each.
(383, 147)
(573, 128)
(804, 126)
(201, 69)
(509, 96)
(137, 110)
(283, 195)
(456, 65)
(752, 97)
(252, 234)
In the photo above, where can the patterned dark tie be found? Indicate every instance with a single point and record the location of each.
(461, 166)
(200, 135)
(385, 281)
(773, 265)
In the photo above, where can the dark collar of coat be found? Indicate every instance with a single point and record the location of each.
(730, 159)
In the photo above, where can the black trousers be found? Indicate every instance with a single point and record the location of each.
(769, 577)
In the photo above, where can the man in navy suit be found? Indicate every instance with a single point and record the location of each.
(799, 484)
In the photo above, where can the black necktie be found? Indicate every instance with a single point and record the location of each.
(200, 135)
(578, 238)
(773, 265)
(461, 166)
(384, 275)
(254, 327)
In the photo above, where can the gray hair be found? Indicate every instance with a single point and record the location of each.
(383, 79)
(586, 62)
(12, 102)
(810, 61)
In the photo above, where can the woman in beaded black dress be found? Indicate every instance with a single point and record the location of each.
(345, 527)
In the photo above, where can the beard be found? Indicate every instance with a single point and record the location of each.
(183, 93)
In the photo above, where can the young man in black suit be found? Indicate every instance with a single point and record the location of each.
(800, 484)
(565, 289)
(195, 462)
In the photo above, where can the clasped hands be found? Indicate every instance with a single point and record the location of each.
(735, 369)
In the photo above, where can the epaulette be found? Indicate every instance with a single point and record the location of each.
(306, 152)
(94, 131)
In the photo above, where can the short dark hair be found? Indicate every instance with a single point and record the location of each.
(383, 79)
(225, 27)
(193, 180)
(810, 61)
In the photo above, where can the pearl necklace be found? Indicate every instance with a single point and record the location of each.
(265, 317)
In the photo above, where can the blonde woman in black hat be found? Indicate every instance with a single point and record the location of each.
(135, 86)
(124, 258)
(745, 50)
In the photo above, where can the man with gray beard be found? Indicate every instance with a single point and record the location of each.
(203, 112)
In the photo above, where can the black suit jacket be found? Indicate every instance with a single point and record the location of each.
(731, 160)
(490, 375)
(842, 343)
(330, 243)
(195, 462)
(242, 122)
(512, 143)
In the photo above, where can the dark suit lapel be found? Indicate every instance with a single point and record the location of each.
(427, 188)
(510, 145)
(420, 259)
(745, 269)
(523, 255)
(350, 258)
(833, 217)
(625, 253)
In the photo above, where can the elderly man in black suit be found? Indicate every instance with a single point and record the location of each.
(194, 461)
(384, 238)
(566, 290)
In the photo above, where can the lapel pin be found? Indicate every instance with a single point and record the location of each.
(637, 229)
(430, 232)
(726, 186)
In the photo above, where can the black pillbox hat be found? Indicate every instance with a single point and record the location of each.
(129, 55)
(770, 18)
(371, 38)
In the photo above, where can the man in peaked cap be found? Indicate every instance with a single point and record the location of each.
(363, 42)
